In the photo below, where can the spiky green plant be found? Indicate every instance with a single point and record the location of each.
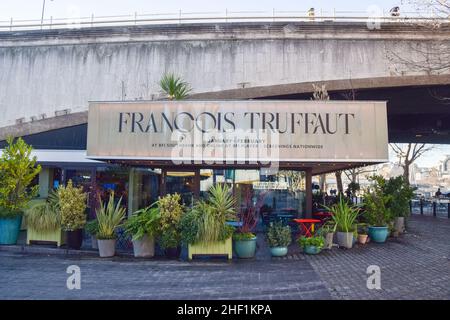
(206, 221)
(174, 87)
(109, 217)
(222, 201)
(344, 215)
(43, 217)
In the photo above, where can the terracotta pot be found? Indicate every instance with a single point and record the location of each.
(363, 238)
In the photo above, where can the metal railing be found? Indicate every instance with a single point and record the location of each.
(181, 17)
(431, 207)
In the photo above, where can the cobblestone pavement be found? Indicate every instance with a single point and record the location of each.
(44, 277)
(413, 266)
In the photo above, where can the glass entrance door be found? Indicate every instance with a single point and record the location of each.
(185, 183)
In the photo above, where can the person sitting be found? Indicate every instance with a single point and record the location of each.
(438, 193)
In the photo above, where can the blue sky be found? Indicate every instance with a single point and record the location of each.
(31, 9)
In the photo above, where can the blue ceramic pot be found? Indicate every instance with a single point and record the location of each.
(311, 250)
(245, 248)
(378, 234)
(9, 229)
(278, 251)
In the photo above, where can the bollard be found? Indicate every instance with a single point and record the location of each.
(421, 206)
(434, 208)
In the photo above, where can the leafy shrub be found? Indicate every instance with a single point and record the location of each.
(17, 171)
(92, 227)
(143, 222)
(279, 235)
(401, 194)
(171, 211)
(316, 241)
(72, 206)
(243, 236)
(376, 204)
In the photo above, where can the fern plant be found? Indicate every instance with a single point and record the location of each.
(109, 217)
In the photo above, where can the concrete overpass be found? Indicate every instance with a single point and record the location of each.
(47, 77)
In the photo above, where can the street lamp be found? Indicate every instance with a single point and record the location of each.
(43, 10)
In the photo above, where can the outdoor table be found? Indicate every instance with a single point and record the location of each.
(322, 216)
(307, 225)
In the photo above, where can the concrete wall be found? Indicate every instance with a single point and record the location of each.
(41, 73)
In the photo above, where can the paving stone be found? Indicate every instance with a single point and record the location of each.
(413, 266)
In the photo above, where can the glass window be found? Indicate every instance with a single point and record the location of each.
(183, 183)
(279, 196)
(144, 187)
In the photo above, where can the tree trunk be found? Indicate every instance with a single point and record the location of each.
(322, 179)
(406, 172)
(339, 185)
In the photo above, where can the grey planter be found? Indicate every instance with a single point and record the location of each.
(399, 224)
(144, 248)
(345, 239)
(329, 240)
(107, 248)
(94, 242)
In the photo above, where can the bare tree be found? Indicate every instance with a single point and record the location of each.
(354, 173)
(409, 153)
(429, 57)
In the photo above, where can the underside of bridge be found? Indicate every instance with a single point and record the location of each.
(416, 114)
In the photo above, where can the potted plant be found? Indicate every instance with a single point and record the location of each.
(377, 213)
(109, 217)
(328, 230)
(279, 238)
(204, 228)
(170, 210)
(401, 194)
(143, 226)
(244, 238)
(43, 221)
(17, 171)
(311, 245)
(344, 216)
(72, 207)
(362, 233)
(92, 229)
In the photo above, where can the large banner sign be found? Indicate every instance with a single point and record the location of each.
(256, 131)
